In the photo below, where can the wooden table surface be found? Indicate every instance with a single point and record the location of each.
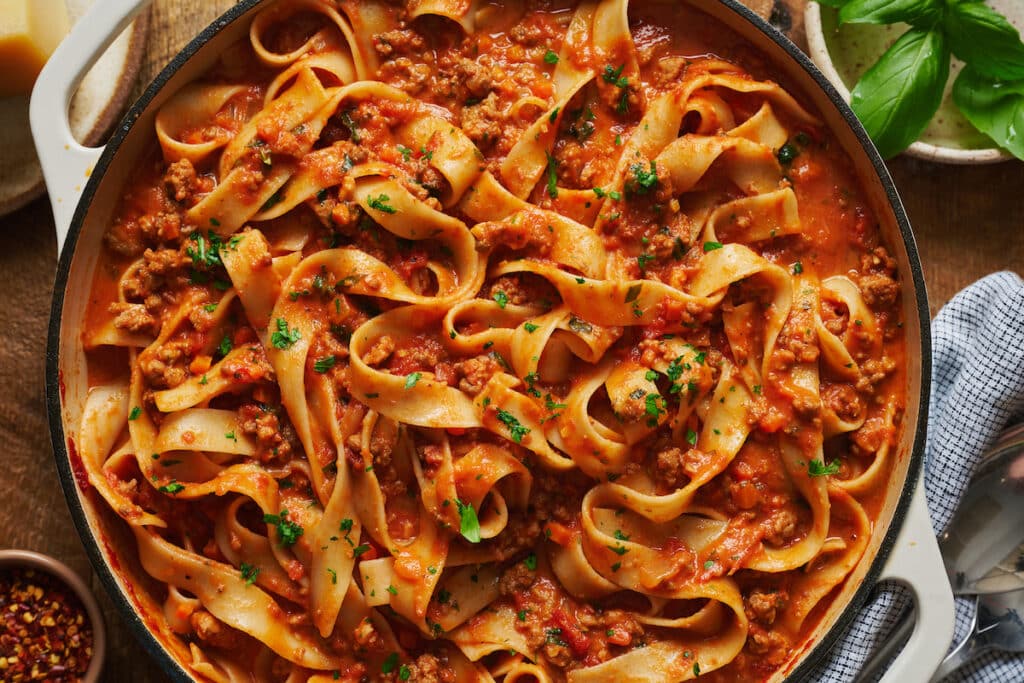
(968, 222)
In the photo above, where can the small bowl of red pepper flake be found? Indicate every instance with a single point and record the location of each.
(51, 629)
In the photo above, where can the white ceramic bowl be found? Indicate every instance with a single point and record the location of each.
(931, 147)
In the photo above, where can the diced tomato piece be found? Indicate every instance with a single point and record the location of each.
(559, 533)
(577, 640)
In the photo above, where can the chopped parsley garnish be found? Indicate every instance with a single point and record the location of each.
(324, 364)
(134, 414)
(652, 406)
(619, 536)
(798, 268)
(651, 375)
(390, 663)
(708, 564)
(411, 379)
(550, 404)
(347, 120)
(263, 150)
(552, 175)
(633, 292)
(553, 636)
(287, 532)
(531, 561)
(615, 77)
(405, 152)
(515, 429)
(696, 669)
(210, 308)
(551, 57)
(553, 116)
(359, 550)
(757, 389)
(643, 180)
(618, 549)
(346, 525)
(249, 573)
(404, 673)
(172, 488)
(334, 575)
(205, 253)
(283, 338)
(521, 615)
(643, 259)
(691, 437)
(469, 525)
(380, 202)
(530, 327)
(225, 346)
(392, 590)
(787, 153)
(817, 468)
(675, 369)
(711, 246)
(502, 298)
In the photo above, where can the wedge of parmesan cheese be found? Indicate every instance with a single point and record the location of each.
(30, 31)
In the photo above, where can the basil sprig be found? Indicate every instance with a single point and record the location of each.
(901, 92)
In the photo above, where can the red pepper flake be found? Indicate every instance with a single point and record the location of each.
(45, 634)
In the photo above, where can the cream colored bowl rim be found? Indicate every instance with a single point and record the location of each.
(817, 49)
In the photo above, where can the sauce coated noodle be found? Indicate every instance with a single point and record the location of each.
(470, 341)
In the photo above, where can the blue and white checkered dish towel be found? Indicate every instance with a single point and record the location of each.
(977, 391)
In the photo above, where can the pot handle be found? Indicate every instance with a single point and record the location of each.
(916, 563)
(66, 164)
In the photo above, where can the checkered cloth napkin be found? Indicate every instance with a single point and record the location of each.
(977, 391)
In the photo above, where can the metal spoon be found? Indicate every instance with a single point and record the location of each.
(996, 625)
(983, 546)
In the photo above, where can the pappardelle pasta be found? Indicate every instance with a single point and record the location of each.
(443, 340)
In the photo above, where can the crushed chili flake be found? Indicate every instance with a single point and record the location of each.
(45, 634)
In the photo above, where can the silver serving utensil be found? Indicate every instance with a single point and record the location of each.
(997, 625)
(983, 548)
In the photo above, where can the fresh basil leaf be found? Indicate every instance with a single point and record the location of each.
(896, 97)
(920, 13)
(984, 39)
(995, 108)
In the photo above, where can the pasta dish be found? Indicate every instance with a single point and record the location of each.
(438, 340)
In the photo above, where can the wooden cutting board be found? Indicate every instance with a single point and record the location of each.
(967, 221)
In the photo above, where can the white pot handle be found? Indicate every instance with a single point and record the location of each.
(915, 562)
(66, 164)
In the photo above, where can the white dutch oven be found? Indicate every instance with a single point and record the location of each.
(85, 187)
